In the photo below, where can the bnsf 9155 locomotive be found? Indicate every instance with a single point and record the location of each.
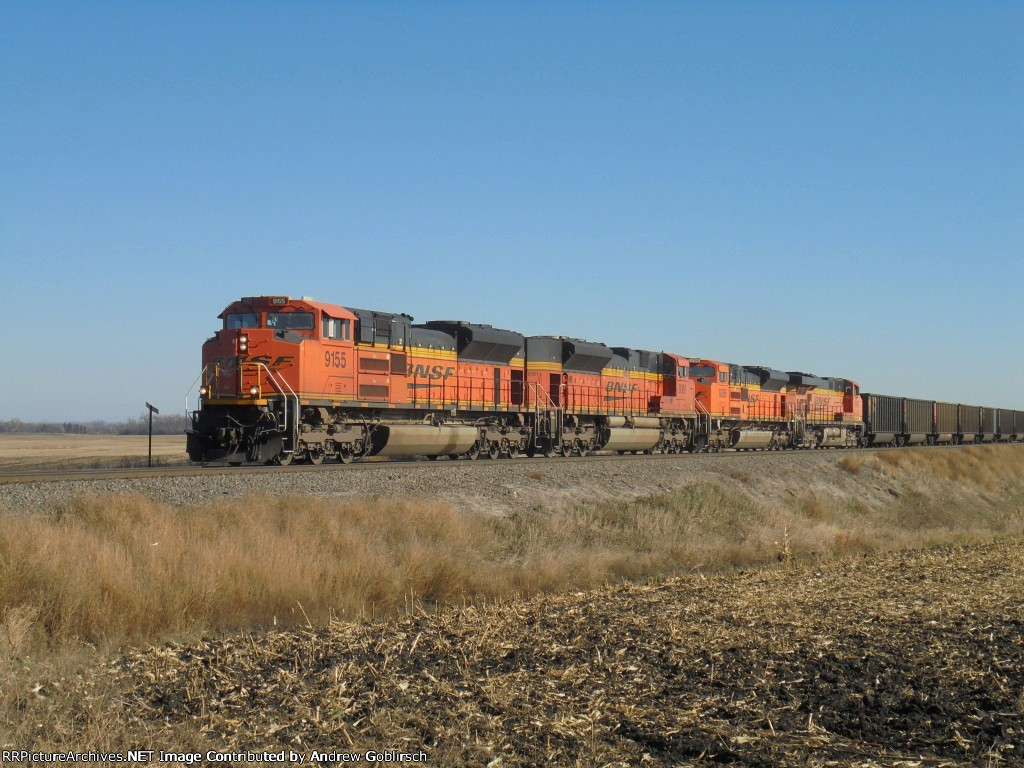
(301, 380)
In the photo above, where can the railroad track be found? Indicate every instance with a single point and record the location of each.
(186, 470)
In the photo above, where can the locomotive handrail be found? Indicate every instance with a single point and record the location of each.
(189, 392)
(535, 388)
(277, 385)
(706, 413)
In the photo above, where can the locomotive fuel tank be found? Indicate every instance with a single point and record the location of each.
(625, 439)
(422, 440)
(750, 438)
(833, 437)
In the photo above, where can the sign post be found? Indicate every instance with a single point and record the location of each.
(152, 409)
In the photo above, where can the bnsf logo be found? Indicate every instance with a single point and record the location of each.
(433, 372)
(231, 363)
(617, 386)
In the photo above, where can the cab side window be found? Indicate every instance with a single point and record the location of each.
(243, 320)
(333, 328)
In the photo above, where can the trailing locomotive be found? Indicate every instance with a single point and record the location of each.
(301, 380)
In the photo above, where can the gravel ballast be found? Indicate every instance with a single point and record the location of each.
(501, 487)
(485, 486)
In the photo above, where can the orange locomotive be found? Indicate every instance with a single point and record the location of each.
(288, 379)
(296, 379)
(759, 407)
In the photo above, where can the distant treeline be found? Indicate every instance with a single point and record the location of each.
(171, 424)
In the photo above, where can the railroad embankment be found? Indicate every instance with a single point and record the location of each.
(757, 609)
(907, 658)
(105, 567)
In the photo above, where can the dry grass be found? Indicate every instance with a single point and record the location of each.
(851, 464)
(903, 659)
(114, 569)
(53, 451)
(102, 571)
(986, 466)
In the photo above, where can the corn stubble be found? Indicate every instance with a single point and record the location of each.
(121, 568)
(106, 571)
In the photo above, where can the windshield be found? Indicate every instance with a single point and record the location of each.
(701, 370)
(243, 320)
(296, 321)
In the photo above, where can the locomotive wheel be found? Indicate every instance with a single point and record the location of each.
(474, 452)
(583, 451)
(566, 450)
(283, 459)
(315, 457)
(493, 450)
(345, 456)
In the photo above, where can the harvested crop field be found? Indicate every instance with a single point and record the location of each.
(826, 608)
(44, 451)
(905, 658)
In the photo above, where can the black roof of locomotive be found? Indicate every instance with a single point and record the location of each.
(478, 342)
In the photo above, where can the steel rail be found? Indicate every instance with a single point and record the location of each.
(198, 470)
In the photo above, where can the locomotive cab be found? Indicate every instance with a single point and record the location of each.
(272, 355)
(711, 385)
(852, 404)
(261, 352)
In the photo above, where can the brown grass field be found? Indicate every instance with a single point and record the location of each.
(98, 576)
(53, 451)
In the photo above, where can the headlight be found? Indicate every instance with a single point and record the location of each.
(243, 343)
(254, 390)
(204, 391)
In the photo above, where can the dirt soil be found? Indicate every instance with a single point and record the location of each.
(896, 659)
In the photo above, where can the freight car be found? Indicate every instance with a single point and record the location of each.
(288, 379)
(897, 421)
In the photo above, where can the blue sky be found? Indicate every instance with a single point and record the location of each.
(834, 187)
